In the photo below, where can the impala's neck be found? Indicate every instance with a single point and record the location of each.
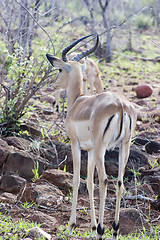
(74, 88)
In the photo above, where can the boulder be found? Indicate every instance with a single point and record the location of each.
(12, 183)
(136, 158)
(143, 91)
(130, 220)
(23, 163)
(63, 180)
(18, 142)
(44, 194)
(46, 150)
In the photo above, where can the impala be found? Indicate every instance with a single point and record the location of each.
(94, 123)
(91, 75)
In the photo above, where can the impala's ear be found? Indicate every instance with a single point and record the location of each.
(68, 68)
(55, 62)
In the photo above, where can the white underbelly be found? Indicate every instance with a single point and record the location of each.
(84, 137)
(86, 145)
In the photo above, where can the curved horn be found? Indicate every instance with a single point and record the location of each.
(86, 53)
(67, 49)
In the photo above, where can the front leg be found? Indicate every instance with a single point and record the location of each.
(76, 154)
(90, 186)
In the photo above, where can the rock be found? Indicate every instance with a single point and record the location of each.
(3, 208)
(153, 181)
(45, 150)
(156, 204)
(32, 131)
(136, 159)
(4, 151)
(130, 221)
(23, 163)
(42, 193)
(18, 142)
(43, 218)
(8, 198)
(37, 233)
(145, 190)
(12, 183)
(111, 160)
(155, 114)
(48, 99)
(63, 180)
(143, 91)
(142, 102)
(152, 147)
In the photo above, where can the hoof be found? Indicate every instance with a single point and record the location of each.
(71, 227)
(94, 228)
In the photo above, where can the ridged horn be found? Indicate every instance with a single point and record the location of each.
(86, 53)
(67, 49)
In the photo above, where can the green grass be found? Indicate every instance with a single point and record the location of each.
(14, 230)
(153, 234)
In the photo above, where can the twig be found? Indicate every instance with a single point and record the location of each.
(37, 23)
(139, 197)
(62, 161)
(156, 219)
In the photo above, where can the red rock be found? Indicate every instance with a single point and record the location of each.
(143, 91)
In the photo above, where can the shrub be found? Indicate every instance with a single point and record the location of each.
(24, 76)
(143, 22)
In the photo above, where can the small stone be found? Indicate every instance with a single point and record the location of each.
(143, 91)
(8, 198)
(37, 233)
(43, 218)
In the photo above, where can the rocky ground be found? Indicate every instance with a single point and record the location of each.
(36, 170)
(34, 188)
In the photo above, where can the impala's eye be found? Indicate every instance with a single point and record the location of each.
(60, 70)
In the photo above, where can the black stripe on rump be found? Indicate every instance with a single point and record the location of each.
(130, 125)
(120, 127)
(107, 126)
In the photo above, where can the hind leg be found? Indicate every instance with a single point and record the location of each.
(123, 158)
(102, 189)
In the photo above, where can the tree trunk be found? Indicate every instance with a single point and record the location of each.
(108, 55)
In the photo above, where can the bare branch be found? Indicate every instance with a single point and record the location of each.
(142, 9)
(37, 23)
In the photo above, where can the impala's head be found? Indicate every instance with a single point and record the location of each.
(69, 69)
